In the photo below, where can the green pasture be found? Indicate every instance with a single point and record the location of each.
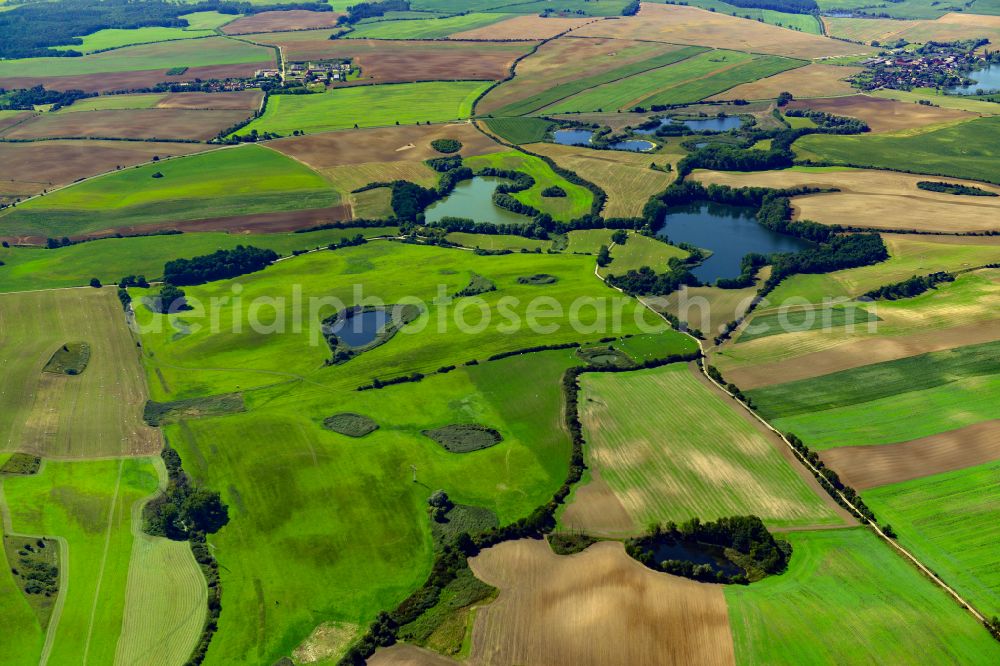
(202, 24)
(519, 130)
(796, 320)
(115, 102)
(651, 346)
(200, 362)
(962, 150)
(801, 22)
(587, 241)
(314, 505)
(697, 457)
(430, 28)
(846, 599)
(961, 102)
(88, 506)
(641, 251)
(553, 94)
(576, 203)
(27, 268)
(688, 80)
(230, 181)
(949, 522)
(368, 106)
(498, 241)
(162, 55)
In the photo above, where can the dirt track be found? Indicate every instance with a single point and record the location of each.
(870, 466)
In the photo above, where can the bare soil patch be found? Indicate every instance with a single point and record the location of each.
(595, 509)
(861, 352)
(128, 124)
(29, 168)
(525, 27)
(810, 81)
(870, 466)
(883, 115)
(402, 654)
(259, 223)
(690, 25)
(393, 61)
(382, 144)
(294, 19)
(13, 119)
(243, 100)
(113, 81)
(596, 607)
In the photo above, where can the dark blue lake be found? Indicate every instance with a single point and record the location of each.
(357, 330)
(697, 553)
(700, 124)
(987, 79)
(473, 199)
(730, 232)
(572, 137)
(633, 145)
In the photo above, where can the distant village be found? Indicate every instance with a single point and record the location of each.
(932, 65)
(326, 72)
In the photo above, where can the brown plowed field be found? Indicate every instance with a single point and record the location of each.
(809, 81)
(394, 61)
(402, 654)
(689, 25)
(29, 168)
(861, 352)
(109, 81)
(525, 27)
(870, 466)
(128, 124)
(382, 144)
(293, 19)
(244, 100)
(13, 119)
(259, 223)
(597, 607)
(883, 115)
(595, 509)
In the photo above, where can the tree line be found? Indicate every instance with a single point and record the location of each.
(909, 288)
(26, 98)
(219, 265)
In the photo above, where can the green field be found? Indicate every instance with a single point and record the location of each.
(201, 363)
(656, 345)
(641, 251)
(202, 24)
(848, 599)
(95, 414)
(498, 241)
(964, 150)
(553, 94)
(962, 102)
(687, 81)
(368, 106)
(949, 521)
(283, 536)
(806, 319)
(519, 130)
(88, 506)
(164, 55)
(801, 22)
(110, 259)
(576, 203)
(227, 182)
(114, 102)
(874, 404)
(697, 457)
(432, 28)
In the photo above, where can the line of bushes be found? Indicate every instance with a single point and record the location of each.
(909, 288)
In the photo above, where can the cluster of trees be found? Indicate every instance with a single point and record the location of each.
(603, 256)
(382, 383)
(183, 510)
(446, 146)
(631, 9)
(364, 10)
(219, 265)
(647, 282)
(133, 281)
(554, 191)
(913, 286)
(27, 98)
(848, 251)
(954, 188)
(756, 549)
(39, 576)
(444, 164)
(749, 265)
(831, 481)
(353, 241)
(409, 199)
(724, 157)
(169, 300)
(828, 121)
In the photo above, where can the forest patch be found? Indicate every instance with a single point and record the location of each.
(464, 438)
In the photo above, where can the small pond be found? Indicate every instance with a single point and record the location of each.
(716, 124)
(633, 145)
(987, 79)
(473, 199)
(698, 553)
(729, 232)
(572, 137)
(360, 329)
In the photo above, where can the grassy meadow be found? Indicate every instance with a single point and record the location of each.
(698, 457)
(88, 506)
(519, 130)
(110, 259)
(576, 203)
(227, 182)
(848, 599)
(368, 106)
(23, 634)
(949, 522)
(962, 150)
(97, 413)
(430, 28)
(202, 24)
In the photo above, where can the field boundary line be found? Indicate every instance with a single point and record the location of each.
(878, 531)
(104, 560)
